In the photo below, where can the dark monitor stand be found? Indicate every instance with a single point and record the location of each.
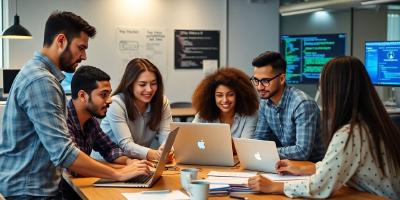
(8, 79)
(2, 98)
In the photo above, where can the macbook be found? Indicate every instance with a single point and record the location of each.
(258, 155)
(203, 144)
(144, 181)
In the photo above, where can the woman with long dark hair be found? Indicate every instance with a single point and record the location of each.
(139, 111)
(364, 150)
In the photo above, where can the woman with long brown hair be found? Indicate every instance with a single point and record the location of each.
(227, 96)
(139, 111)
(364, 150)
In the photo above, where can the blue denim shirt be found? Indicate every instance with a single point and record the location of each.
(34, 143)
(294, 124)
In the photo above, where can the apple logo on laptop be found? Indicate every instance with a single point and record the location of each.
(257, 156)
(201, 144)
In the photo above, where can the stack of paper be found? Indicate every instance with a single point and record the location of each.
(281, 178)
(232, 174)
(219, 189)
(226, 182)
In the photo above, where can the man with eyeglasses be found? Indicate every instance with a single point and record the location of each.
(287, 115)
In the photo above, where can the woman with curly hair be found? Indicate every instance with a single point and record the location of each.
(227, 96)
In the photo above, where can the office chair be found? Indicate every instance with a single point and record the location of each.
(181, 104)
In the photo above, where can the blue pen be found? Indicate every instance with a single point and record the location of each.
(237, 197)
(156, 192)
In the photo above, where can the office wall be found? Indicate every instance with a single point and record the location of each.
(252, 29)
(370, 25)
(106, 15)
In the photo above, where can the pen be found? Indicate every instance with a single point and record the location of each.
(156, 191)
(237, 197)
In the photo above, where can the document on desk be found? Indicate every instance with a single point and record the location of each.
(232, 174)
(281, 178)
(227, 180)
(172, 195)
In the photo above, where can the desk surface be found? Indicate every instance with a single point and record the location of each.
(170, 180)
(183, 112)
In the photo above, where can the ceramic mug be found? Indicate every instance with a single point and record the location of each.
(188, 175)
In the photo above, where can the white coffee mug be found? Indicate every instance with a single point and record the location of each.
(199, 190)
(188, 175)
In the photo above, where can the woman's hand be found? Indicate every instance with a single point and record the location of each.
(170, 156)
(261, 184)
(295, 167)
(153, 155)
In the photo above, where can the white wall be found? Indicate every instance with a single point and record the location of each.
(253, 28)
(106, 15)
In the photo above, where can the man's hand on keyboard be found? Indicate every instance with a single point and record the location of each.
(134, 169)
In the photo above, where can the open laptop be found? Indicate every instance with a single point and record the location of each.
(144, 181)
(203, 144)
(258, 155)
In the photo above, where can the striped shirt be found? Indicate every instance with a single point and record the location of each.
(34, 143)
(294, 124)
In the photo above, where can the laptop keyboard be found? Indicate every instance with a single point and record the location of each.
(141, 178)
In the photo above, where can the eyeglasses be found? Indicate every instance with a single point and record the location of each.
(264, 81)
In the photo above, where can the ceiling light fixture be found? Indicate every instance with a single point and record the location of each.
(371, 2)
(301, 11)
(16, 31)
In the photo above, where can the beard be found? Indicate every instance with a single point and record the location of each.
(270, 93)
(66, 63)
(94, 110)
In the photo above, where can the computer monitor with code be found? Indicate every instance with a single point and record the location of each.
(305, 55)
(382, 61)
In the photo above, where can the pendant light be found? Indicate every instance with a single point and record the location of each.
(16, 31)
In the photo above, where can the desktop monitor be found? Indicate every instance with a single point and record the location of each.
(382, 61)
(305, 55)
(8, 78)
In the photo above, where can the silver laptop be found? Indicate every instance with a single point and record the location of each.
(203, 144)
(144, 181)
(258, 155)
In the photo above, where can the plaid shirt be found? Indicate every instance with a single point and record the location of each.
(92, 137)
(34, 143)
(294, 124)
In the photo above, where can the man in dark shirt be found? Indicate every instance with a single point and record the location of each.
(90, 90)
(91, 96)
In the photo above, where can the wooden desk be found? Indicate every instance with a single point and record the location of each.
(170, 180)
(183, 113)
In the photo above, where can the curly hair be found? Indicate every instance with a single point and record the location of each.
(203, 98)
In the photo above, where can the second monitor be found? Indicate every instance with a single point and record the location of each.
(307, 54)
(8, 78)
(382, 61)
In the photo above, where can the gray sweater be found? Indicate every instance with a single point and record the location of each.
(134, 137)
